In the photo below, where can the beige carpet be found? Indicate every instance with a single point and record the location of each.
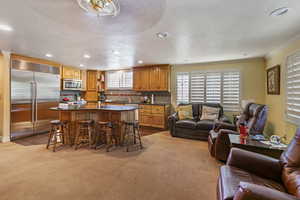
(168, 168)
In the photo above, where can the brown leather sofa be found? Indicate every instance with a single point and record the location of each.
(254, 115)
(196, 128)
(252, 176)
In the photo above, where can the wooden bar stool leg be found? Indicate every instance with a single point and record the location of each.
(49, 138)
(77, 137)
(55, 140)
(90, 136)
(139, 137)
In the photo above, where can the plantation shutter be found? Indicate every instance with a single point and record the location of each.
(182, 83)
(213, 87)
(119, 79)
(197, 87)
(231, 91)
(293, 88)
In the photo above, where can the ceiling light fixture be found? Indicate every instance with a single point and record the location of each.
(81, 65)
(100, 7)
(4, 27)
(49, 55)
(140, 62)
(116, 52)
(279, 11)
(162, 35)
(87, 56)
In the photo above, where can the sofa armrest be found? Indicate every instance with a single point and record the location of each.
(248, 191)
(224, 119)
(258, 164)
(172, 122)
(223, 125)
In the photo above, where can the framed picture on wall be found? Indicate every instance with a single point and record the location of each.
(273, 80)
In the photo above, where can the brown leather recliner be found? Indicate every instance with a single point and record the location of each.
(254, 115)
(252, 176)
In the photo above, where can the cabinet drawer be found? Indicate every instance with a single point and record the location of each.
(158, 109)
(158, 121)
(145, 119)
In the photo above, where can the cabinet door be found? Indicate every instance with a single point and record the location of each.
(158, 121)
(137, 79)
(92, 80)
(164, 78)
(145, 79)
(76, 74)
(68, 72)
(83, 78)
(145, 120)
(154, 79)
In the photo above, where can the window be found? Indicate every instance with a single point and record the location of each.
(210, 87)
(293, 88)
(121, 80)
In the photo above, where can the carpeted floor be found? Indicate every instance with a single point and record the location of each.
(167, 168)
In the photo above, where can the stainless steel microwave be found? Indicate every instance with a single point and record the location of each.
(71, 84)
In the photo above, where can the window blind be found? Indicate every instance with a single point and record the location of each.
(213, 88)
(293, 88)
(210, 87)
(119, 79)
(231, 91)
(182, 86)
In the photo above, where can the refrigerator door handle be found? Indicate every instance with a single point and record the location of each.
(32, 101)
(36, 102)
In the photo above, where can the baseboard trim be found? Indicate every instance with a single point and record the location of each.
(4, 139)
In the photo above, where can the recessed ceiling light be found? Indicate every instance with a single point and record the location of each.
(86, 56)
(49, 55)
(81, 65)
(116, 52)
(140, 62)
(279, 11)
(4, 27)
(162, 35)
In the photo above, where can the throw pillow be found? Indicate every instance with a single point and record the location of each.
(210, 113)
(185, 112)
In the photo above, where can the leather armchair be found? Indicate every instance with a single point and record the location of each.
(254, 115)
(252, 176)
(195, 128)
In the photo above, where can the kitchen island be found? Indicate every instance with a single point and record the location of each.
(107, 113)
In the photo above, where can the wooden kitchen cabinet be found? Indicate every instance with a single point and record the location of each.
(71, 73)
(91, 93)
(154, 78)
(154, 115)
(83, 79)
(91, 80)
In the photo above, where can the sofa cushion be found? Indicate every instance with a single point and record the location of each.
(230, 177)
(210, 113)
(205, 124)
(185, 112)
(189, 124)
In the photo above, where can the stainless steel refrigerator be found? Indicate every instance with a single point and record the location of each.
(34, 89)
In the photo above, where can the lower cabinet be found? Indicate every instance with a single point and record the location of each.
(154, 115)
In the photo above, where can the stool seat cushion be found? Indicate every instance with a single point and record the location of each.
(86, 122)
(56, 122)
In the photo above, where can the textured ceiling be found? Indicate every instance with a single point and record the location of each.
(199, 31)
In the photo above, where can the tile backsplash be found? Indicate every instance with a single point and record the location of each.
(133, 96)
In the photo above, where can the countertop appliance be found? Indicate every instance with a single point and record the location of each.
(72, 84)
(34, 89)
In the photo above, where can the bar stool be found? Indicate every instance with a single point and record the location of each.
(111, 136)
(84, 131)
(57, 133)
(134, 134)
(101, 130)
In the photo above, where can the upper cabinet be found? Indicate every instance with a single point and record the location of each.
(71, 73)
(91, 80)
(154, 78)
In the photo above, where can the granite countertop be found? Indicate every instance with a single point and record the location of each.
(93, 108)
(138, 103)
